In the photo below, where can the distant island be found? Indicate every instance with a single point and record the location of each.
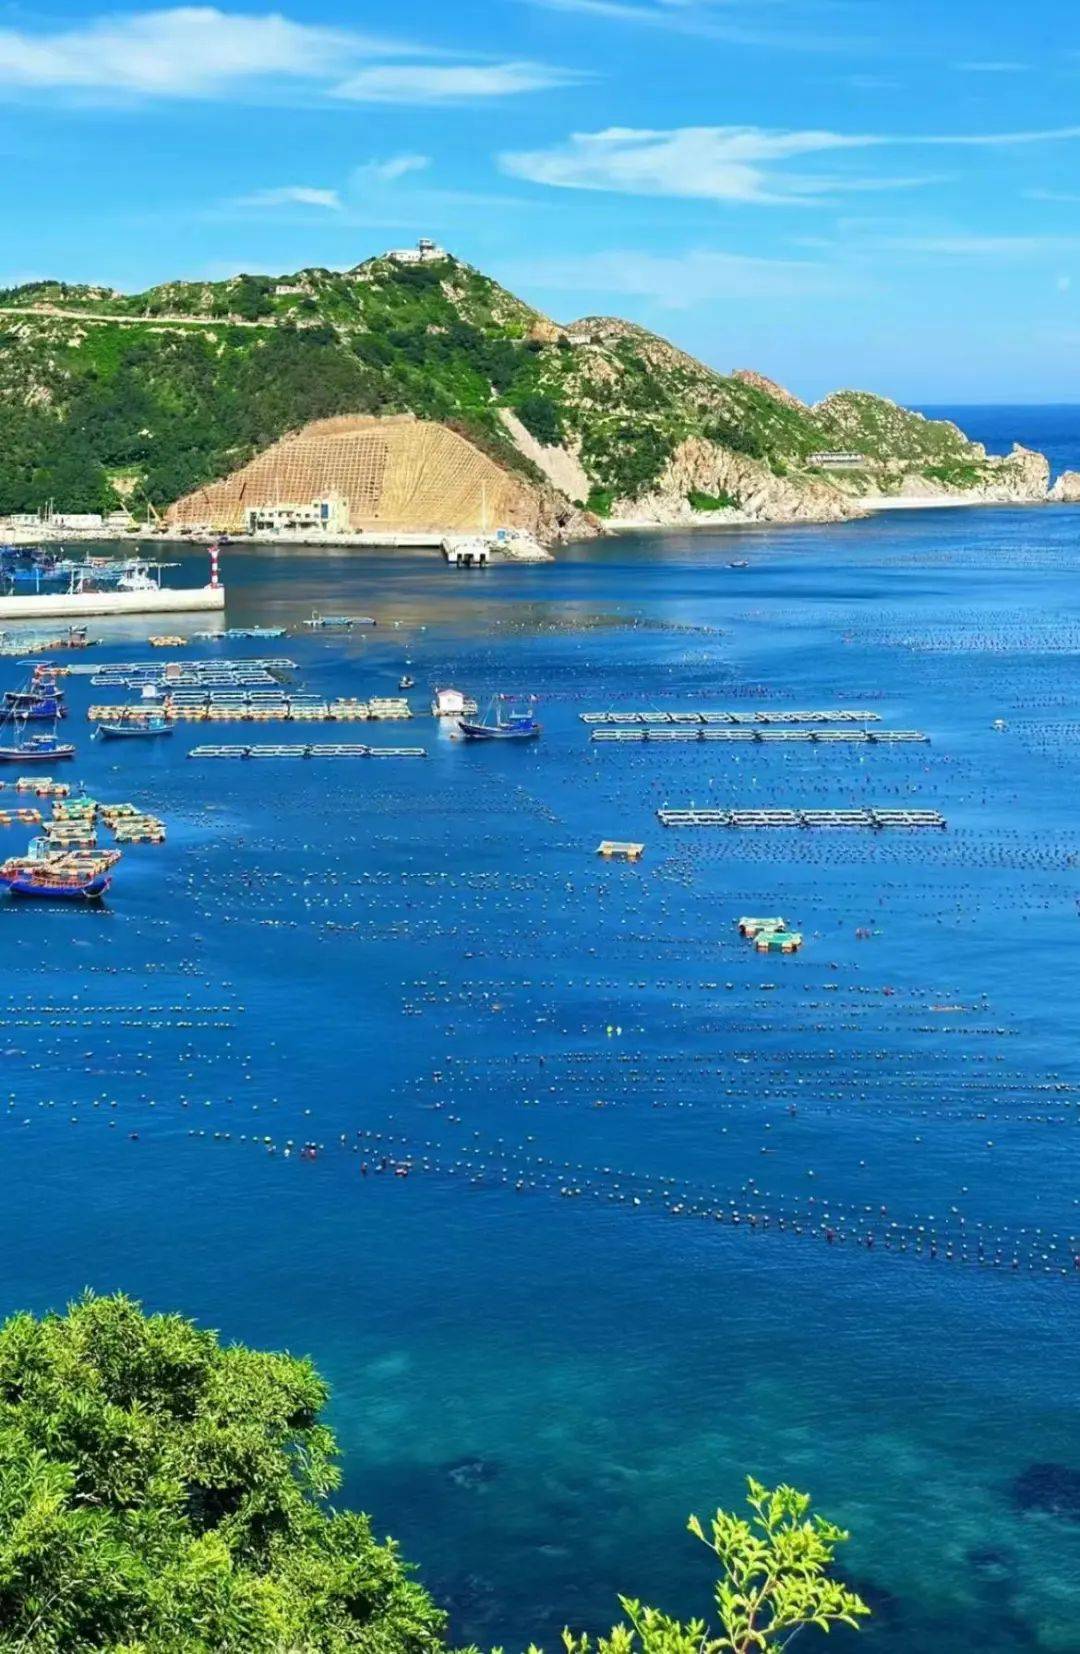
(141, 401)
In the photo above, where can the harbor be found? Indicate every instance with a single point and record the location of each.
(36, 584)
(421, 1036)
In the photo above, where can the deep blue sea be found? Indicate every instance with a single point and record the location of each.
(677, 1211)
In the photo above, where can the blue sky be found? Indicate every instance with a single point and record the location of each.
(835, 192)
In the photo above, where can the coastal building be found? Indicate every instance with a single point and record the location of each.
(328, 515)
(837, 461)
(425, 252)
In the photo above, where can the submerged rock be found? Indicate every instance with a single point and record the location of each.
(472, 1473)
(1053, 1489)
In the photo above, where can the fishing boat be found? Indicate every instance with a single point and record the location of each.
(508, 718)
(36, 749)
(45, 702)
(135, 724)
(55, 884)
(739, 563)
(329, 623)
(406, 682)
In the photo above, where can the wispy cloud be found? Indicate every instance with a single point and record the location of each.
(292, 195)
(185, 51)
(388, 171)
(205, 52)
(737, 25)
(982, 246)
(426, 83)
(992, 67)
(675, 282)
(732, 163)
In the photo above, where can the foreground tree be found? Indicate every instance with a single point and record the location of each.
(159, 1492)
(774, 1582)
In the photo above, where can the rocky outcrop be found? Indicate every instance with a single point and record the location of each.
(699, 466)
(1021, 476)
(759, 382)
(1066, 490)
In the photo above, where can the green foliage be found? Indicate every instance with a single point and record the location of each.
(161, 1494)
(774, 1582)
(178, 405)
(600, 501)
(711, 502)
(542, 417)
(956, 475)
(625, 457)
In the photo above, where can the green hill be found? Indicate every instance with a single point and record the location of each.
(105, 395)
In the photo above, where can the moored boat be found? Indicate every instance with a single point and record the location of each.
(53, 886)
(148, 724)
(36, 749)
(508, 718)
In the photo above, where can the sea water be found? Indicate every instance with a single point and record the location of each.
(550, 1342)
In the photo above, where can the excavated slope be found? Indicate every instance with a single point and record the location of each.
(396, 474)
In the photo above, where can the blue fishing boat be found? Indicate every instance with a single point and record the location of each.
(45, 703)
(36, 749)
(508, 718)
(136, 725)
(49, 885)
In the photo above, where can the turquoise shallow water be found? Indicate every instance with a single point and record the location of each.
(532, 1387)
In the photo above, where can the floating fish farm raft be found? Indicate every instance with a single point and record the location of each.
(873, 737)
(307, 752)
(692, 817)
(258, 706)
(188, 674)
(841, 716)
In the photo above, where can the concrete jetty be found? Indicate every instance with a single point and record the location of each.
(63, 606)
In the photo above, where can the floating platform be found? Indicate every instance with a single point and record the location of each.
(308, 752)
(621, 849)
(842, 715)
(198, 706)
(654, 736)
(692, 817)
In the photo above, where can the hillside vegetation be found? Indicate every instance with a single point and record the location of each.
(106, 396)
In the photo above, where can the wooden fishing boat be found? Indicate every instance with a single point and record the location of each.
(508, 718)
(36, 749)
(136, 727)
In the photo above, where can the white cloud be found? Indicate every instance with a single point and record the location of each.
(676, 282)
(992, 68)
(715, 163)
(292, 195)
(205, 52)
(185, 51)
(730, 163)
(386, 172)
(449, 83)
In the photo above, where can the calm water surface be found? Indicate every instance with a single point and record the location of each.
(533, 1388)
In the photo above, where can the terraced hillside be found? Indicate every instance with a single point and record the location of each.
(146, 397)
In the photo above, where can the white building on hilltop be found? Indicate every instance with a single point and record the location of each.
(425, 252)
